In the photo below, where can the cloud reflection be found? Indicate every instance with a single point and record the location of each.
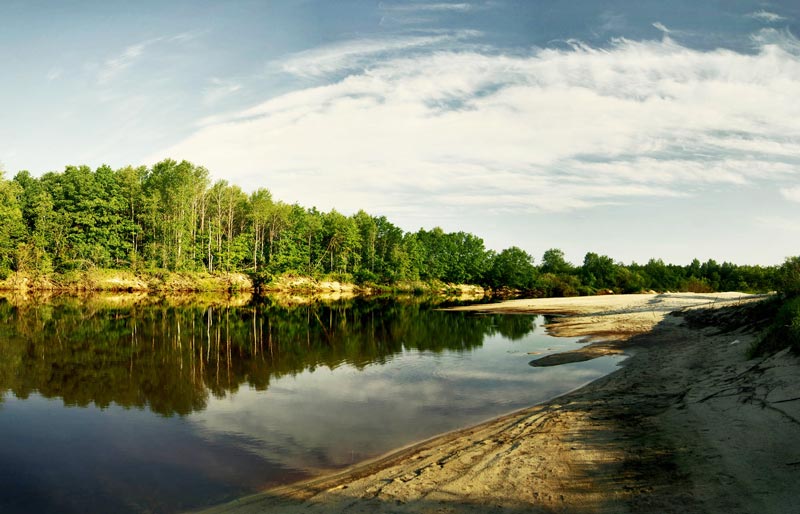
(333, 418)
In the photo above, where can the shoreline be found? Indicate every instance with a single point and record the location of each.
(161, 281)
(655, 435)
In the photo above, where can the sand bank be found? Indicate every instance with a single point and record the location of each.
(688, 424)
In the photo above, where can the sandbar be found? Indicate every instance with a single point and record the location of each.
(687, 424)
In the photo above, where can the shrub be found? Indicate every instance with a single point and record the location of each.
(784, 331)
(550, 285)
(364, 276)
(697, 285)
(789, 277)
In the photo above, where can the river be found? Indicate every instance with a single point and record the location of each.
(110, 404)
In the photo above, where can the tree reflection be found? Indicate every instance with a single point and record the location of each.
(170, 358)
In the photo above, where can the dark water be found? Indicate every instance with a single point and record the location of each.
(155, 407)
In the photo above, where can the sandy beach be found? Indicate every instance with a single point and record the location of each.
(687, 424)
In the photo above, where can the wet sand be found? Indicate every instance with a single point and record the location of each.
(687, 424)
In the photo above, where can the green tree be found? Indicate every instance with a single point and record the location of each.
(513, 267)
(789, 277)
(468, 260)
(598, 271)
(129, 182)
(343, 242)
(553, 261)
(260, 203)
(368, 234)
(174, 199)
(435, 253)
(12, 227)
(277, 223)
(46, 231)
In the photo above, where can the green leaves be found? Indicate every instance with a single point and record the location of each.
(513, 267)
(169, 216)
(12, 227)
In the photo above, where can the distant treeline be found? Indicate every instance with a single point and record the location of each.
(170, 216)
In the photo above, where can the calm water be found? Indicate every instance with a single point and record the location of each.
(151, 407)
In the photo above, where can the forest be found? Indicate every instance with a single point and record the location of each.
(172, 217)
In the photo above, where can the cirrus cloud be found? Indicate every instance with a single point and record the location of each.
(769, 17)
(550, 130)
(349, 55)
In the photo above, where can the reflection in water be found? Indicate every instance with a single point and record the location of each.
(184, 404)
(171, 359)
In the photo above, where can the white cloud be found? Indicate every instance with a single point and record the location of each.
(349, 55)
(661, 27)
(791, 193)
(115, 65)
(555, 130)
(441, 6)
(53, 74)
(767, 16)
(295, 420)
(782, 39)
(219, 89)
(184, 36)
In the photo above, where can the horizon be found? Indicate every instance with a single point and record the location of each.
(637, 132)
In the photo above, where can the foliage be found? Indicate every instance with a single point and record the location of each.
(598, 271)
(553, 262)
(512, 267)
(12, 229)
(789, 277)
(784, 331)
(171, 217)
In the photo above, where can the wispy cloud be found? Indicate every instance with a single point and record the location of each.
(359, 53)
(556, 130)
(132, 54)
(427, 7)
(53, 74)
(791, 193)
(782, 39)
(184, 37)
(218, 89)
(660, 26)
(767, 16)
(117, 64)
(405, 14)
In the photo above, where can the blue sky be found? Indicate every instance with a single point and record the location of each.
(634, 129)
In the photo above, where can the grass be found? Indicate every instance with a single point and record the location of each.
(750, 316)
(783, 332)
(776, 319)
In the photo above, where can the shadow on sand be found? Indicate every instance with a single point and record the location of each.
(599, 449)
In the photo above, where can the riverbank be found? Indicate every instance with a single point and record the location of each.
(110, 280)
(300, 287)
(687, 424)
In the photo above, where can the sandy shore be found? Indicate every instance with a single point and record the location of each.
(687, 424)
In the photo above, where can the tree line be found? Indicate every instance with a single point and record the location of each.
(171, 216)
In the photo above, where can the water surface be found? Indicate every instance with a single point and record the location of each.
(149, 406)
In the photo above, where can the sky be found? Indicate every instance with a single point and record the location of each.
(638, 130)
